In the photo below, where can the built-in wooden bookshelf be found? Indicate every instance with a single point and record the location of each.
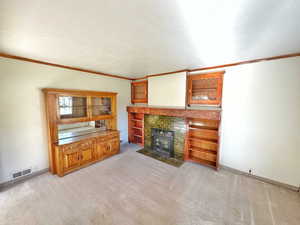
(136, 128)
(202, 142)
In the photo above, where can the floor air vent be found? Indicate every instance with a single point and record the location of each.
(21, 173)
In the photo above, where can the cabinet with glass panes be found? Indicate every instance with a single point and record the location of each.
(82, 128)
(84, 108)
(205, 89)
(101, 106)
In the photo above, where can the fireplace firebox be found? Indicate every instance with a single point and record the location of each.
(162, 142)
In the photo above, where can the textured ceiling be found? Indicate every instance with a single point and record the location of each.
(138, 37)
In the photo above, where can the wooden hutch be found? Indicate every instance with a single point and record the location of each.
(74, 150)
(202, 138)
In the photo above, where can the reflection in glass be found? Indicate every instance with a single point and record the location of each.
(204, 89)
(101, 106)
(72, 107)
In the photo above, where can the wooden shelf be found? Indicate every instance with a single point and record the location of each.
(140, 136)
(202, 127)
(204, 155)
(213, 140)
(136, 128)
(204, 162)
(137, 120)
(193, 148)
(202, 142)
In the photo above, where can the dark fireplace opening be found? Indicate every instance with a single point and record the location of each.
(162, 142)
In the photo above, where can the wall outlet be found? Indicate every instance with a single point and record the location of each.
(250, 171)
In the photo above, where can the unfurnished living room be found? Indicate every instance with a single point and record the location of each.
(150, 112)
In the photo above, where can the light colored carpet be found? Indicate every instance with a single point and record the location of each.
(131, 188)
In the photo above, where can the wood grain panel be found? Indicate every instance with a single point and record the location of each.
(202, 144)
(204, 155)
(204, 134)
(184, 113)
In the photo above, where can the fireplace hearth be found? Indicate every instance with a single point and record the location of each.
(162, 142)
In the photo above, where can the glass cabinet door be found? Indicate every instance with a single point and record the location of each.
(71, 107)
(101, 106)
(139, 92)
(205, 89)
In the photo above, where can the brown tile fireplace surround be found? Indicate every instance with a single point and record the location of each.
(196, 132)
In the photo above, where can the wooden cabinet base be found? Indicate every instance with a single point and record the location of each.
(76, 155)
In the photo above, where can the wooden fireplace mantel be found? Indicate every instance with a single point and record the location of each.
(184, 113)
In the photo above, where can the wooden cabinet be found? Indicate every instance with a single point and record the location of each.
(205, 89)
(136, 128)
(73, 156)
(139, 92)
(114, 146)
(202, 142)
(102, 107)
(71, 160)
(72, 106)
(100, 149)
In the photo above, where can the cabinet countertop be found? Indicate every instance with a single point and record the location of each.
(86, 136)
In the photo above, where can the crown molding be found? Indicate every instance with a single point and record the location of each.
(62, 66)
(150, 75)
(222, 66)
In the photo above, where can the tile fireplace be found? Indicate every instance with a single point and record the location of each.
(162, 142)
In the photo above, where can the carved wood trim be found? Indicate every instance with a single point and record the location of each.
(184, 113)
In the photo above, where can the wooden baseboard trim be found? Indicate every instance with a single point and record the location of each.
(263, 179)
(11, 183)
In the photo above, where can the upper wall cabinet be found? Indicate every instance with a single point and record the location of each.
(139, 92)
(72, 107)
(205, 89)
(79, 106)
(101, 106)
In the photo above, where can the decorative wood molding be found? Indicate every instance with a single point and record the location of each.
(223, 66)
(77, 92)
(184, 113)
(150, 75)
(62, 66)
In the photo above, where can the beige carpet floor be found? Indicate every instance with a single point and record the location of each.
(133, 189)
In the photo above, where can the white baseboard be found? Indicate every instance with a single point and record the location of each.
(10, 183)
(266, 180)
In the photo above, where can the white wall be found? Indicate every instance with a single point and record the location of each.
(260, 118)
(167, 90)
(23, 140)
